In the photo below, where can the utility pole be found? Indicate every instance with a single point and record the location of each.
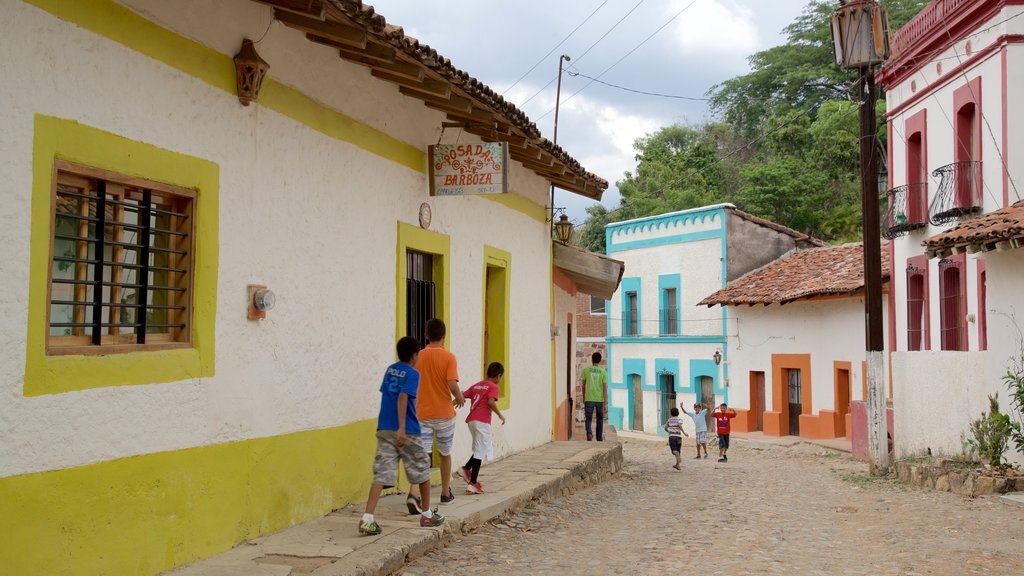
(874, 342)
(551, 232)
(860, 30)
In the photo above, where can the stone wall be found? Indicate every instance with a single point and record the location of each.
(949, 476)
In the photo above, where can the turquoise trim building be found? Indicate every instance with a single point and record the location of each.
(674, 261)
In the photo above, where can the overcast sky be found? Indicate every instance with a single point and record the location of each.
(498, 41)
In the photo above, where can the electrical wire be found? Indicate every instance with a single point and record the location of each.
(626, 55)
(587, 51)
(635, 91)
(991, 133)
(544, 57)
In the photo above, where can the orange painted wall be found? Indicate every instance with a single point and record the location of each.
(561, 421)
(841, 426)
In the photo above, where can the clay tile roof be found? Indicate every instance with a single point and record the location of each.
(981, 233)
(486, 113)
(800, 274)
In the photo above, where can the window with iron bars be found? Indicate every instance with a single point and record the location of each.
(121, 263)
(953, 297)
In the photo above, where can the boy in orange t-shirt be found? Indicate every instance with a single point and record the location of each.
(438, 395)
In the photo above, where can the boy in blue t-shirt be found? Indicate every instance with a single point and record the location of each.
(398, 438)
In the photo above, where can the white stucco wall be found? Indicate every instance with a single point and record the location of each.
(936, 395)
(827, 330)
(311, 216)
(938, 101)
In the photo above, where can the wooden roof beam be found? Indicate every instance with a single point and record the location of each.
(477, 115)
(427, 86)
(341, 33)
(314, 8)
(455, 103)
(373, 52)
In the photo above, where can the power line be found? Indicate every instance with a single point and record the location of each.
(626, 55)
(544, 57)
(582, 75)
(963, 74)
(587, 51)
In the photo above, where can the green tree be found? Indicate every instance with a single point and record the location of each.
(798, 75)
(591, 234)
(678, 167)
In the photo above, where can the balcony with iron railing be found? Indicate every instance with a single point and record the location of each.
(907, 209)
(630, 324)
(959, 195)
(669, 321)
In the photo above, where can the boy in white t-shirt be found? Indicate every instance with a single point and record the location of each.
(674, 427)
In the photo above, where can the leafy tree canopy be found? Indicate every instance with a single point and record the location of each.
(785, 145)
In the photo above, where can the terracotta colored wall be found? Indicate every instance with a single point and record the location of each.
(859, 424)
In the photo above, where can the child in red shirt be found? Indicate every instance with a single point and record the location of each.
(722, 415)
(483, 397)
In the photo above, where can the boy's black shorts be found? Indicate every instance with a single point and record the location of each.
(723, 440)
(675, 443)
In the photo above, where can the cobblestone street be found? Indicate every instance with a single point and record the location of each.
(773, 510)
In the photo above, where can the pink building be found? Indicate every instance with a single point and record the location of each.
(956, 147)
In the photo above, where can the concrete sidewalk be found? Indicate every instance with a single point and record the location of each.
(331, 546)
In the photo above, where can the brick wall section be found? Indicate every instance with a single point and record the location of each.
(584, 350)
(587, 326)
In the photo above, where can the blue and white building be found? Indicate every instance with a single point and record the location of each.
(663, 348)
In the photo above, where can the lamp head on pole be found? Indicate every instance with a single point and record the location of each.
(860, 34)
(563, 229)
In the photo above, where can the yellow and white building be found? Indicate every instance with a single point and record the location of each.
(122, 454)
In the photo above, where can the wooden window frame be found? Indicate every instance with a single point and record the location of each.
(112, 342)
(918, 267)
(953, 320)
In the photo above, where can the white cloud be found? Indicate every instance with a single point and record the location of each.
(722, 27)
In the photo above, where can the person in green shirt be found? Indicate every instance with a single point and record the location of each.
(595, 395)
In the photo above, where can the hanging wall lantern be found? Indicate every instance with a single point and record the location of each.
(250, 70)
(563, 229)
(860, 34)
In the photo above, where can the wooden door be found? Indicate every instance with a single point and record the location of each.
(795, 401)
(843, 397)
(570, 357)
(638, 404)
(759, 403)
(667, 397)
(707, 398)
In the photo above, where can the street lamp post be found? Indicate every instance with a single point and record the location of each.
(861, 36)
(554, 139)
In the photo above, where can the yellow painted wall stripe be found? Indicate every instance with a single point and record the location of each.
(112, 20)
(67, 140)
(138, 516)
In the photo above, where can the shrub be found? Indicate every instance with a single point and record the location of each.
(991, 433)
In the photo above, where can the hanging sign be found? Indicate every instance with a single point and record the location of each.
(464, 169)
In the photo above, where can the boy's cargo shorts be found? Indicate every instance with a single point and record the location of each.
(412, 455)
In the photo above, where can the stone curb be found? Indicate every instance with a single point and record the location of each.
(964, 482)
(391, 552)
